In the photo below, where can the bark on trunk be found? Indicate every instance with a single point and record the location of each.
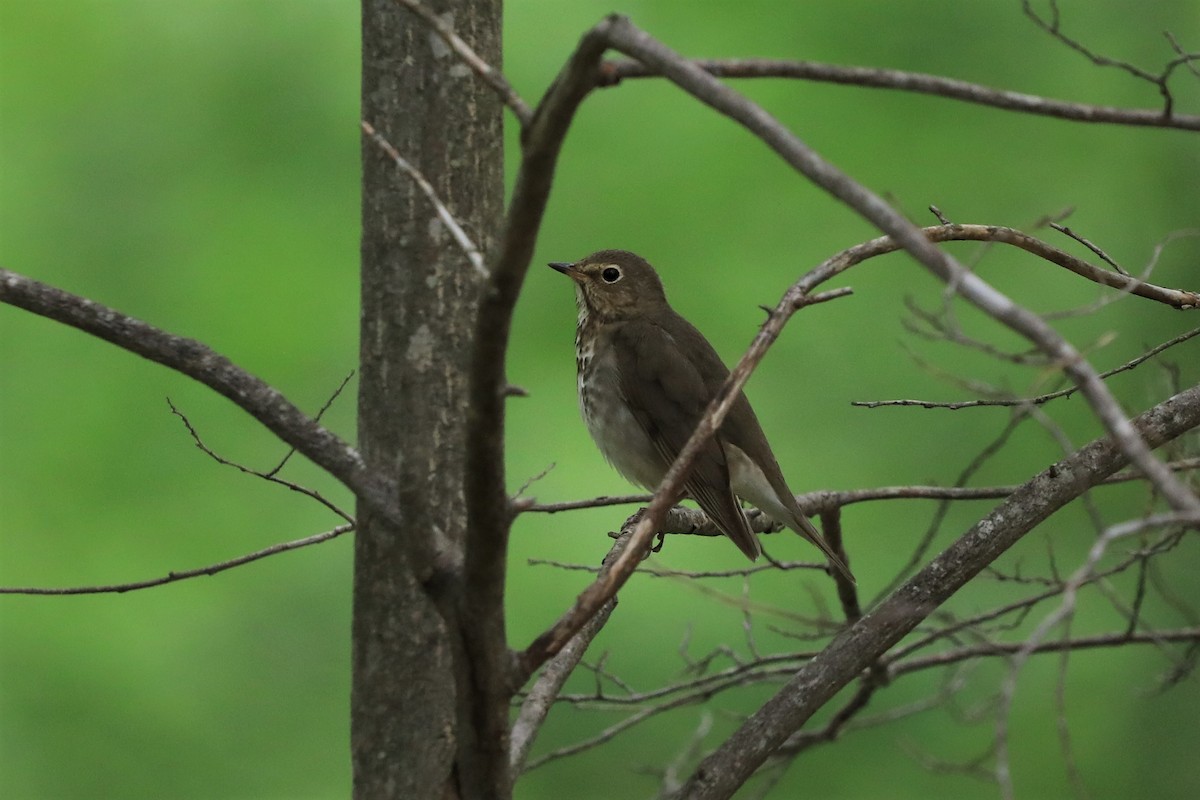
(412, 700)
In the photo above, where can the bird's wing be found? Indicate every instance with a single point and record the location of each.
(666, 395)
(742, 430)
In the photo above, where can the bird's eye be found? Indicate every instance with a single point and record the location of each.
(611, 274)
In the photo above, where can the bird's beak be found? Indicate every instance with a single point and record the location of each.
(567, 269)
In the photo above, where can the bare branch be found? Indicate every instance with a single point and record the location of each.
(460, 236)
(771, 668)
(545, 690)
(1054, 28)
(484, 70)
(316, 418)
(613, 72)
(1029, 401)
(270, 477)
(857, 648)
(660, 572)
(197, 361)
(1182, 299)
(984, 649)
(815, 502)
(594, 502)
(1189, 59)
(1103, 256)
(172, 577)
(1104, 300)
(632, 41)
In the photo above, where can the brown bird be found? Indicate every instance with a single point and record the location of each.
(646, 376)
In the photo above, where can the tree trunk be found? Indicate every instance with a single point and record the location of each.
(412, 701)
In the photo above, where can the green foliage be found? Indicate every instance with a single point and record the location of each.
(196, 165)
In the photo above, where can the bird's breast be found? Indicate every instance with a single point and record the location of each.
(606, 412)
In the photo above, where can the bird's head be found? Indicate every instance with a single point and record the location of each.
(615, 284)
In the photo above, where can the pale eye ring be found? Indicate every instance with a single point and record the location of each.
(610, 274)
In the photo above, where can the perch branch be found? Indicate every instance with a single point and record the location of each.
(611, 579)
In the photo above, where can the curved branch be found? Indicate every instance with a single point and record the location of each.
(613, 72)
(199, 362)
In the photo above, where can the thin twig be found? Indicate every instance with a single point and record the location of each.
(984, 649)
(1103, 256)
(1054, 28)
(270, 477)
(1027, 401)
(1190, 59)
(201, 363)
(484, 70)
(172, 577)
(460, 236)
(320, 413)
(815, 502)
(659, 572)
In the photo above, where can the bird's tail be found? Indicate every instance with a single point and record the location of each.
(802, 526)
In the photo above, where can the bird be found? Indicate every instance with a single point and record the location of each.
(645, 376)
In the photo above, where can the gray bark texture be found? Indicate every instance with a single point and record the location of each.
(415, 709)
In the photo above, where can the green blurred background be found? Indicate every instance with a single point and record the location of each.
(196, 165)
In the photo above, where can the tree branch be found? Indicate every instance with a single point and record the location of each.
(172, 577)
(982, 649)
(269, 477)
(460, 236)
(478, 65)
(815, 502)
(613, 72)
(650, 521)
(1054, 28)
(197, 361)
(854, 650)
(608, 582)
(545, 690)
(488, 508)
(1029, 401)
